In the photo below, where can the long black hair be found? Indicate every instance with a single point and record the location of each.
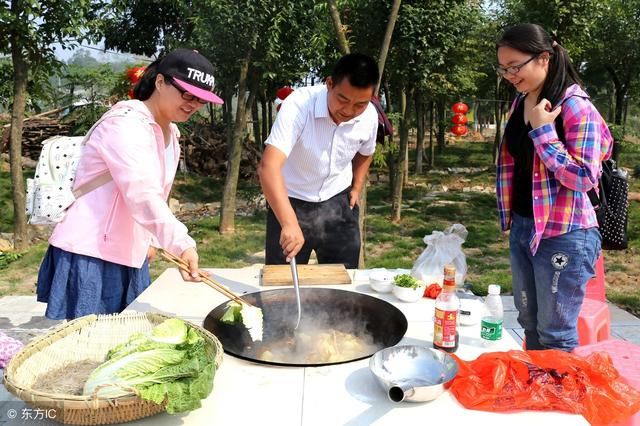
(533, 39)
(147, 83)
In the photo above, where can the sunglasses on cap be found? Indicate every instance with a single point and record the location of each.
(185, 95)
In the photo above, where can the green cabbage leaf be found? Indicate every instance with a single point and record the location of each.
(173, 363)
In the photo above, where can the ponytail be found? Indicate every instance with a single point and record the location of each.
(560, 76)
(147, 83)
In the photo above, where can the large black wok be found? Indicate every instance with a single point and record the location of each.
(364, 316)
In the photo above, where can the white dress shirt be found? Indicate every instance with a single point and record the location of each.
(319, 152)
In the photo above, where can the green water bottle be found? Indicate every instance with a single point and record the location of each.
(492, 316)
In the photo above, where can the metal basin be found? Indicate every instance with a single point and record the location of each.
(373, 320)
(413, 373)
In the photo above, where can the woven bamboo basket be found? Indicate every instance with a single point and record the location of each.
(87, 338)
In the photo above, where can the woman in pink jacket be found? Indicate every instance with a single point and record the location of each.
(96, 262)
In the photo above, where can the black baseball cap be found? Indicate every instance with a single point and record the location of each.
(192, 72)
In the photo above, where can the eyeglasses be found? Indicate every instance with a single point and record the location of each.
(514, 69)
(185, 95)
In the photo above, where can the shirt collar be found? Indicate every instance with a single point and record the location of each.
(321, 108)
(574, 90)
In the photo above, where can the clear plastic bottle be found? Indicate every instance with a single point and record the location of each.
(445, 322)
(492, 316)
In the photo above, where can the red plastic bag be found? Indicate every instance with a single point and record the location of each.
(545, 380)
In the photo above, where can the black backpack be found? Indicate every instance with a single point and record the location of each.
(610, 203)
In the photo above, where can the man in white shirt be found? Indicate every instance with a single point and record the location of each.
(315, 164)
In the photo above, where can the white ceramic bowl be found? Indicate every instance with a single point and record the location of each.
(381, 280)
(407, 294)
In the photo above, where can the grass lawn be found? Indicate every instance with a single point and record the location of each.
(430, 202)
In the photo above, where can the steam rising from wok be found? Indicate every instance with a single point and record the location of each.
(337, 326)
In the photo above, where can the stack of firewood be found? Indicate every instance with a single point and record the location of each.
(36, 131)
(204, 147)
(205, 152)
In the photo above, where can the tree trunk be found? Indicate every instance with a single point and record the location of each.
(228, 207)
(396, 203)
(405, 172)
(420, 134)
(255, 121)
(265, 122)
(432, 151)
(270, 115)
(440, 125)
(343, 44)
(386, 41)
(20, 79)
(620, 91)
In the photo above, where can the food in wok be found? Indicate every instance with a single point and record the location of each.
(318, 347)
(336, 326)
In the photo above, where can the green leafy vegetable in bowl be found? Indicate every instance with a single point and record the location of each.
(407, 281)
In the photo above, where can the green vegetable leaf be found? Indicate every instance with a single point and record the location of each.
(406, 280)
(232, 314)
(172, 330)
(180, 373)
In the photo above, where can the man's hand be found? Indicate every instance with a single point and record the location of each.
(354, 198)
(190, 256)
(541, 114)
(291, 240)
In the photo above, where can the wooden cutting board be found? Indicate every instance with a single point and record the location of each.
(307, 274)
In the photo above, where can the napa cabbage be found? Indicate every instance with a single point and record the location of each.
(250, 316)
(171, 363)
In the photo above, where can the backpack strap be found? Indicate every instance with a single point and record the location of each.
(105, 177)
(94, 183)
(597, 198)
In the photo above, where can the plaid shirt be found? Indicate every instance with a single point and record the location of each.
(563, 172)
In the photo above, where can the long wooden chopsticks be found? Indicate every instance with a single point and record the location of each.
(205, 277)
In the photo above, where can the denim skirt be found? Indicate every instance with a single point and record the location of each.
(73, 285)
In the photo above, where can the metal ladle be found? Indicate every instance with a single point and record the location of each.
(296, 286)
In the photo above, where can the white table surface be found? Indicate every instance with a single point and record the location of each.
(248, 393)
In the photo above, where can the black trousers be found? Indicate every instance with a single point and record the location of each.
(330, 228)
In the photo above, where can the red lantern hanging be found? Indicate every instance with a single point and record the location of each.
(459, 119)
(460, 108)
(459, 130)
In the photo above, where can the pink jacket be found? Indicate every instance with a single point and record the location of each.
(117, 221)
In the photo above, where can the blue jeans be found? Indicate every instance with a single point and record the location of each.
(548, 288)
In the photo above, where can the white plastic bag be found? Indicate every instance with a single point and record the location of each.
(443, 248)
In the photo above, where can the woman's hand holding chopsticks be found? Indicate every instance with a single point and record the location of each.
(190, 258)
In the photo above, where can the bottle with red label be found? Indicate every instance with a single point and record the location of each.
(445, 322)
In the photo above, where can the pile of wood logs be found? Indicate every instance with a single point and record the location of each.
(34, 132)
(204, 147)
(204, 150)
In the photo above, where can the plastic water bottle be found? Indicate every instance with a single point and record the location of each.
(491, 324)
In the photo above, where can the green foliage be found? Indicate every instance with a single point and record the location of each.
(140, 27)
(6, 202)
(37, 24)
(40, 92)
(8, 257)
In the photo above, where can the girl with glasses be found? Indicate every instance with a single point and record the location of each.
(542, 185)
(97, 260)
